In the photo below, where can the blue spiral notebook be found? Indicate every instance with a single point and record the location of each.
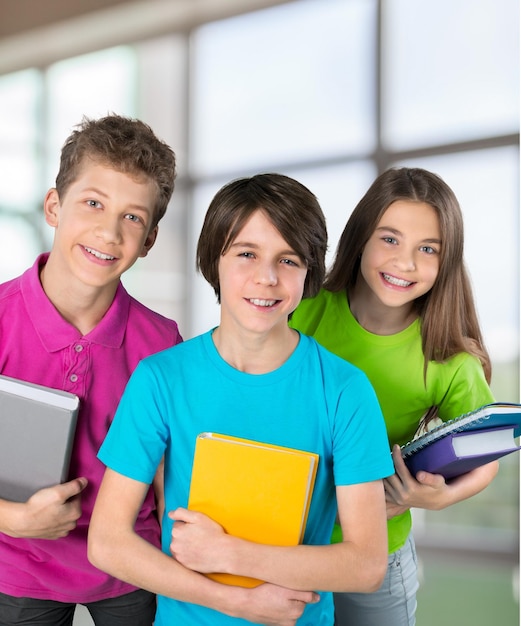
(466, 442)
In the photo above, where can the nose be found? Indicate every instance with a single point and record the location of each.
(405, 259)
(108, 229)
(266, 274)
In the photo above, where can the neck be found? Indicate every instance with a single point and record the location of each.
(254, 354)
(82, 306)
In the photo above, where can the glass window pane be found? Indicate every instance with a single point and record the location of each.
(20, 181)
(19, 100)
(19, 245)
(93, 85)
(338, 189)
(161, 91)
(203, 311)
(283, 84)
(18, 105)
(451, 70)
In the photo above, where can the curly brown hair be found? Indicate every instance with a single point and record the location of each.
(125, 144)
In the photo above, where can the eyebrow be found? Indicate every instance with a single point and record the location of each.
(255, 246)
(94, 190)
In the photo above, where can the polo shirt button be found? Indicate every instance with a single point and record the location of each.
(78, 348)
(73, 378)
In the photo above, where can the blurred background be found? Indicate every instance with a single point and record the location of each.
(331, 92)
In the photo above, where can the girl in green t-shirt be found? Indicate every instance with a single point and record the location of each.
(397, 303)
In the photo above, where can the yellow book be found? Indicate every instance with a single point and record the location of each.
(256, 491)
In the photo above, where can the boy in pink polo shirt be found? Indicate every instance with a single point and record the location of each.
(68, 323)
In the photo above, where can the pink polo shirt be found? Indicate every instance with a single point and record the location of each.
(38, 345)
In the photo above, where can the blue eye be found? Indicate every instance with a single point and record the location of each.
(428, 249)
(132, 218)
(94, 203)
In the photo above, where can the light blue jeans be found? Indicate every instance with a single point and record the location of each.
(394, 604)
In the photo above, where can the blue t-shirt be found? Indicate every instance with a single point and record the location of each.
(315, 401)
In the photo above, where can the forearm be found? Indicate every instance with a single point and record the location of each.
(116, 548)
(132, 559)
(357, 564)
(159, 491)
(11, 518)
(336, 567)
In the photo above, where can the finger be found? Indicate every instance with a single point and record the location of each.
(389, 496)
(430, 480)
(392, 496)
(393, 485)
(388, 487)
(397, 457)
(72, 488)
(183, 515)
(391, 481)
(399, 465)
(306, 597)
(315, 597)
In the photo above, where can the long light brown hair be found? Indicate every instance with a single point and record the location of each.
(447, 313)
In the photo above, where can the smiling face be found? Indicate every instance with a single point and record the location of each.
(401, 259)
(261, 279)
(102, 225)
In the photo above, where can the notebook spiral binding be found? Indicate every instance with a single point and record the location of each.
(449, 427)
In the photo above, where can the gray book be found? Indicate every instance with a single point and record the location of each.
(37, 427)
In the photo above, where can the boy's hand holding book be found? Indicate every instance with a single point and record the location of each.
(198, 542)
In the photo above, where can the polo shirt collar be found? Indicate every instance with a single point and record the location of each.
(55, 332)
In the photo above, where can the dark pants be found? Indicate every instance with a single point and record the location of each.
(134, 609)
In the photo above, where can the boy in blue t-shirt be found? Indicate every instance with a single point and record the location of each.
(262, 249)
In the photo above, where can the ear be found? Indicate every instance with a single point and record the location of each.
(51, 206)
(149, 241)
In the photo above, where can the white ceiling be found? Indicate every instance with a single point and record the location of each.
(17, 16)
(35, 33)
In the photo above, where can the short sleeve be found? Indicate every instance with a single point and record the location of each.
(361, 448)
(467, 388)
(135, 442)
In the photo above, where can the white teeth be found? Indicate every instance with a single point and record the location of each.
(258, 302)
(396, 281)
(100, 255)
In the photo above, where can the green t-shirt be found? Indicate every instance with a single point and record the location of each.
(395, 366)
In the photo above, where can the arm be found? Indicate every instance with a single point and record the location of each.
(357, 564)
(48, 514)
(430, 491)
(115, 548)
